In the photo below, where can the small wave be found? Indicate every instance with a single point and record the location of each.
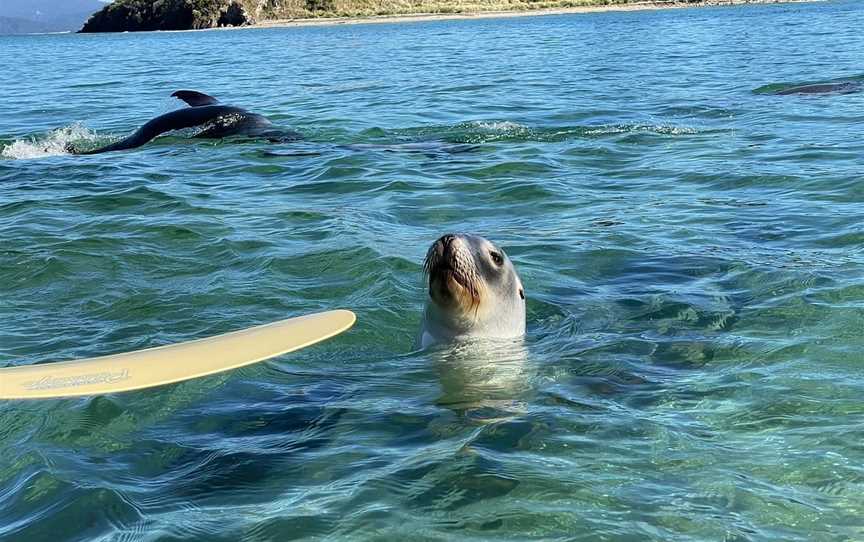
(492, 131)
(661, 129)
(54, 143)
(515, 130)
(495, 130)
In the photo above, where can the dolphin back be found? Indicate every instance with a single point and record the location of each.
(230, 118)
(846, 87)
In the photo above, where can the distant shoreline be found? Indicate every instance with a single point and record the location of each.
(179, 15)
(420, 17)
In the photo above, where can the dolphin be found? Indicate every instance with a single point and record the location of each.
(205, 112)
(846, 87)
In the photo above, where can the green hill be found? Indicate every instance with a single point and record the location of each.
(132, 15)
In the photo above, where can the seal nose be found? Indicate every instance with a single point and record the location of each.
(444, 246)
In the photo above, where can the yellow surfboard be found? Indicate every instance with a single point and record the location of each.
(171, 363)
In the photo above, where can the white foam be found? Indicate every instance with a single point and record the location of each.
(498, 126)
(52, 144)
(662, 129)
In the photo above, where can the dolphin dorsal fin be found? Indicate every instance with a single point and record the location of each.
(195, 99)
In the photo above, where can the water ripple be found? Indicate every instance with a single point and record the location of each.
(690, 251)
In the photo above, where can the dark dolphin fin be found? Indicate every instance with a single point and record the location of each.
(194, 98)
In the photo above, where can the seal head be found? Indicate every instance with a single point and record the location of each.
(473, 292)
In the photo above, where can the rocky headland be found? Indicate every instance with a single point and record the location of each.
(138, 15)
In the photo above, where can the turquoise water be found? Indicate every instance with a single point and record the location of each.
(691, 252)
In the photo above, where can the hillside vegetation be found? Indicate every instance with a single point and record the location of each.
(365, 8)
(131, 15)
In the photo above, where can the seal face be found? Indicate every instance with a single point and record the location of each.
(473, 292)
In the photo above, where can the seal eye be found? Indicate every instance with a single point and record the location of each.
(521, 293)
(497, 258)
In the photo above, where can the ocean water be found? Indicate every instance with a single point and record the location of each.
(690, 245)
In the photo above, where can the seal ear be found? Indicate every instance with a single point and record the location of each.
(194, 99)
